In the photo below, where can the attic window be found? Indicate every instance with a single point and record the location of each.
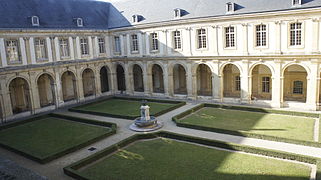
(229, 7)
(35, 21)
(135, 18)
(80, 22)
(177, 13)
(296, 2)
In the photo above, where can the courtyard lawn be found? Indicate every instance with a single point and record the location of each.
(168, 159)
(46, 137)
(285, 126)
(125, 107)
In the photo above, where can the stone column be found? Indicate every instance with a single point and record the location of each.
(128, 39)
(146, 78)
(278, 37)
(57, 48)
(122, 45)
(90, 46)
(140, 43)
(170, 82)
(165, 78)
(96, 47)
(3, 53)
(58, 84)
(147, 44)
(78, 53)
(189, 81)
(71, 48)
(5, 97)
(245, 39)
(128, 80)
(315, 35)
(32, 51)
(23, 51)
(245, 79)
(277, 85)
(216, 81)
(215, 40)
(34, 94)
(79, 84)
(113, 83)
(108, 46)
(312, 85)
(187, 47)
(97, 81)
(49, 49)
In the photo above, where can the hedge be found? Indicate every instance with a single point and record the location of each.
(178, 104)
(71, 170)
(112, 131)
(242, 133)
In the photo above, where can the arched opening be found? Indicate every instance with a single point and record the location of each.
(46, 90)
(295, 83)
(88, 81)
(19, 95)
(104, 79)
(121, 82)
(204, 80)
(261, 83)
(179, 79)
(68, 84)
(158, 79)
(231, 81)
(138, 78)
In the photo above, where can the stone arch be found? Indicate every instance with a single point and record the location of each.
(157, 78)
(295, 83)
(121, 81)
(307, 69)
(68, 86)
(196, 66)
(222, 67)
(46, 89)
(138, 78)
(179, 79)
(104, 73)
(231, 76)
(19, 95)
(261, 82)
(204, 80)
(261, 63)
(88, 81)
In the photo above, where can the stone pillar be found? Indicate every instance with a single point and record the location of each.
(34, 94)
(57, 48)
(189, 82)
(140, 43)
(245, 79)
(113, 83)
(3, 53)
(97, 81)
(187, 47)
(170, 81)
(165, 78)
(108, 46)
(90, 46)
(162, 42)
(315, 35)
(23, 51)
(215, 40)
(49, 49)
(122, 45)
(96, 47)
(129, 80)
(216, 81)
(71, 48)
(58, 88)
(78, 52)
(147, 44)
(245, 39)
(278, 37)
(312, 85)
(277, 85)
(146, 78)
(79, 84)
(32, 51)
(5, 97)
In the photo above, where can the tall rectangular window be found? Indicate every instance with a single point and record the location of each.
(117, 44)
(177, 40)
(237, 83)
(229, 37)
(40, 48)
(84, 46)
(297, 87)
(266, 84)
(12, 49)
(134, 39)
(201, 34)
(260, 35)
(154, 41)
(295, 34)
(64, 47)
(101, 45)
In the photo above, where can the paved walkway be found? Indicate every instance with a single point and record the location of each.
(54, 169)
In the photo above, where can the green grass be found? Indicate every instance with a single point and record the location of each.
(168, 159)
(125, 107)
(48, 136)
(285, 126)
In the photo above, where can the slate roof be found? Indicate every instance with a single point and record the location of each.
(101, 14)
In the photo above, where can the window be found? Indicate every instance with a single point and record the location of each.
(40, 48)
(260, 35)
(297, 87)
(266, 84)
(296, 2)
(154, 41)
(229, 37)
(295, 34)
(135, 18)
(101, 45)
(80, 22)
(134, 43)
(201, 33)
(64, 47)
(35, 21)
(229, 7)
(237, 83)
(84, 46)
(177, 13)
(117, 44)
(12, 49)
(177, 40)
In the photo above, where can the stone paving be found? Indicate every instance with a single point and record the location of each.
(54, 169)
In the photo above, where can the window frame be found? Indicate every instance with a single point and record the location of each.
(153, 40)
(266, 84)
(198, 40)
(84, 46)
(302, 35)
(103, 45)
(80, 22)
(225, 38)
(237, 83)
(117, 45)
(134, 44)
(230, 7)
(266, 46)
(174, 40)
(44, 54)
(294, 4)
(35, 21)
(18, 53)
(298, 90)
(65, 46)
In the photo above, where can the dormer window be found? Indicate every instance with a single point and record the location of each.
(135, 18)
(296, 2)
(80, 22)
(177, 13)
(230, 7)
(35, 21)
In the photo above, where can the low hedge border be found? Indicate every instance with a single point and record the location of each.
(112, 131)
(178, 104)
(71, 170)
(242, 133)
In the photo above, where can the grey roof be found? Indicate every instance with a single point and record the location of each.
(100, 14)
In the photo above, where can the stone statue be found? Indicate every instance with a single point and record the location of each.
(144, 111)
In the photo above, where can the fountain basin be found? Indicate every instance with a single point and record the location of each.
(141, 122)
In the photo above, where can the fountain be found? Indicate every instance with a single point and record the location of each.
(145, 122)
